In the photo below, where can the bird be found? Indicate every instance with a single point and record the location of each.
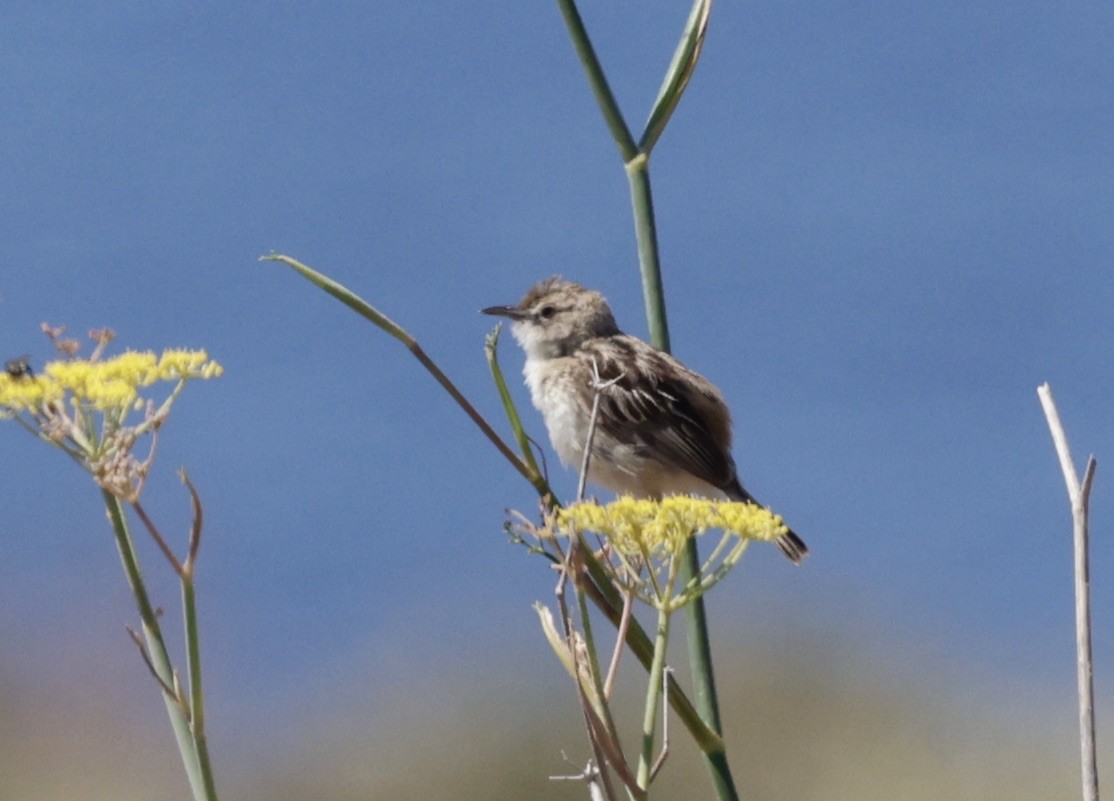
(661, 429)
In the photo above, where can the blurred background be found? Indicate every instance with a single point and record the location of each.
(882, 226)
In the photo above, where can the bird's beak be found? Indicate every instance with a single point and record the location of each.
(512, 312)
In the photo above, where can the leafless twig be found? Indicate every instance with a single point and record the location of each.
(590, 776)
(166, 688)
(620, 643)
(153, 530)
(599, 385)
(195, 525)
(1079, 494)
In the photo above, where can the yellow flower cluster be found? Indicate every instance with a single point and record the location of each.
(654, 528)
(20, 393)
(105, 385)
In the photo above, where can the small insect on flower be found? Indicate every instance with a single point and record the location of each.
(19, 367)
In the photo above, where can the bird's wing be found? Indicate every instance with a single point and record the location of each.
(661, 408)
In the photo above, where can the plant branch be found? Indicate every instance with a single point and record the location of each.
(153, 530)
(193, 637)
(664, 726)
(620, 643)
(598, 80)
(159, 659)
(491, 350)
(678, 75)
(1079, 494)
(137, 638)
(195, 526)
(603, 748)
(654, 688)
(369, 312)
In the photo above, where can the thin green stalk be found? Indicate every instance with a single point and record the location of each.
(156, 649)
(653, 693)
(699, 645)
(187, 572)
(197, 695)
(594, 665)
(491, 350)
(696, 621)
(591, 63)
(645, 229)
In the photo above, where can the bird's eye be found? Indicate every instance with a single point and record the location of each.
(547, 312)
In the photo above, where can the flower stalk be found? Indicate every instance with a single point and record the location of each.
(83, 407)
(653, 694)
(156, 654)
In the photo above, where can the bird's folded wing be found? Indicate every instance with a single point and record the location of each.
(667, 412)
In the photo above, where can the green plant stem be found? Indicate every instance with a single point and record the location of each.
(653, 293)
(591, 63)
(653, 693)
(703, 678)
(197, 695)
(491, 350)
(156, 648)
(594, 665)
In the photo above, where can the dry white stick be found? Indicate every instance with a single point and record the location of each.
(620, 643)
(1079, 494)
(598, 385)
(590, 776)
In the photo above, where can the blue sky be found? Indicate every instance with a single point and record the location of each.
(882, 226)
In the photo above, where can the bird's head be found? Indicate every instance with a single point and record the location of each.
(556, 317)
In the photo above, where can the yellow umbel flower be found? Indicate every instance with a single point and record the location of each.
(646, 539)
(83, 406)
(25, 393)
(112, 384)
(175, 364)
(642, 527)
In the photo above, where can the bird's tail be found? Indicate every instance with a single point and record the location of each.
(792, 546)
(789, 543)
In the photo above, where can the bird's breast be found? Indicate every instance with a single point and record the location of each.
(554, 393)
